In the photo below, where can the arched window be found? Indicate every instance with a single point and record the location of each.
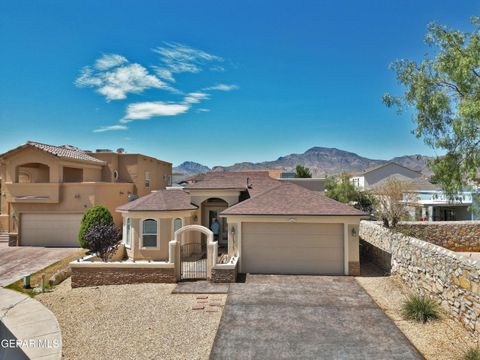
(149, 233)
(177, 224)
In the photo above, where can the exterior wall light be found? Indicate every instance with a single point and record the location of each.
(354, 232)
(195, 218)
(232, 231)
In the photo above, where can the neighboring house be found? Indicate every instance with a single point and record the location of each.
(46, 189)
(270, 225)
(370, 178)
(433, 205)
(314, 184)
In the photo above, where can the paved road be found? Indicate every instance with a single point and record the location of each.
(16, 262)
(306, 317)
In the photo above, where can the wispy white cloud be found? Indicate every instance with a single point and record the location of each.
(149, 109)
(118, 78)
(222, 87)
(195, 97)
(108, 61)
(202, 110)
(110, 128)
(178, 58)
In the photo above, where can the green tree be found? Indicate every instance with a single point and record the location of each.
(342, 189)
(303, 172)
(97, 215)
(444, 92)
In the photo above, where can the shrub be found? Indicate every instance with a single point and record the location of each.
(472, 354)
(420, 309)
(103, 239)
(96, 215)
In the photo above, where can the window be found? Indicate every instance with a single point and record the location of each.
(177, 224)
(128, 233)
(147, 179)
(115, 175)
(149, 233)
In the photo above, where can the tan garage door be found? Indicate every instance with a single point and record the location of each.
(286, 248)
(50, 229)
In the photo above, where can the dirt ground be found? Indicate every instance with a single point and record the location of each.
(443, 339)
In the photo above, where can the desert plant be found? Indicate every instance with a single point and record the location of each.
(472, 354)
(393, 198)
(96, 215)
(302, 172)
(420, 309)
(103, 239)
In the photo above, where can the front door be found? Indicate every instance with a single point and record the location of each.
(223, 233)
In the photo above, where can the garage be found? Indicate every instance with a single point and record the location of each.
(50, 229)
(292, 248)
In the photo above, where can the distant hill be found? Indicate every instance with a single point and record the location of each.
(189, 168)
(321, 161)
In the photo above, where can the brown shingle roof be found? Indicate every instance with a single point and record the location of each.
(64, 151)
(258, 181)
(161, 200)
(293, 200)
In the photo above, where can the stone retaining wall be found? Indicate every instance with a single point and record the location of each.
(453, 235)
(94, 276)
(451, 279)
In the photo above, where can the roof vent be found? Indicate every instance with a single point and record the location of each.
(249, 184)
(132, 197)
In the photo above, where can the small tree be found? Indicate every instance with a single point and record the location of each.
(96, 215)
(103, 240)
(342, 189)
(303, 172)
(394, 197)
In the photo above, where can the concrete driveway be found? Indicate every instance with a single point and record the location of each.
(16, 262)
(306, 317)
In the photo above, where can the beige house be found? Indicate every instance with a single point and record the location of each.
(46, 189)
(269, 226)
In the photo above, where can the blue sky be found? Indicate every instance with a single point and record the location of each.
(215, 82)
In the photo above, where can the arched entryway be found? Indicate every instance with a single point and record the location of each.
(193, 254)
(211, 209)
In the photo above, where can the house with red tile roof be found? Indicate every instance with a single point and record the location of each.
(46, 189)
(260, 224)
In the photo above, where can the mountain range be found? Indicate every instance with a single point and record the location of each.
(322, 161)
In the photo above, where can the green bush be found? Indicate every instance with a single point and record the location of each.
(472, 354)
(96, 215)
(420, 309)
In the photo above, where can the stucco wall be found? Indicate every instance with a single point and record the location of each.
(449, 278)
(453, 235)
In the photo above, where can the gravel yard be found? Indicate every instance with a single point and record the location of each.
(444, 339)
(143, 321)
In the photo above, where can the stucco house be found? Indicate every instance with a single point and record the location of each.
(368, 179)
(270, 226)
(46, 189)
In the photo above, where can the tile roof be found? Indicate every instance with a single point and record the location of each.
(293, 200)
(254, 182)
(64, 151)
(161, 200)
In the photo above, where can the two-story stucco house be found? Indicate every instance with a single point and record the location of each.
(46, 189)
(431, 203)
